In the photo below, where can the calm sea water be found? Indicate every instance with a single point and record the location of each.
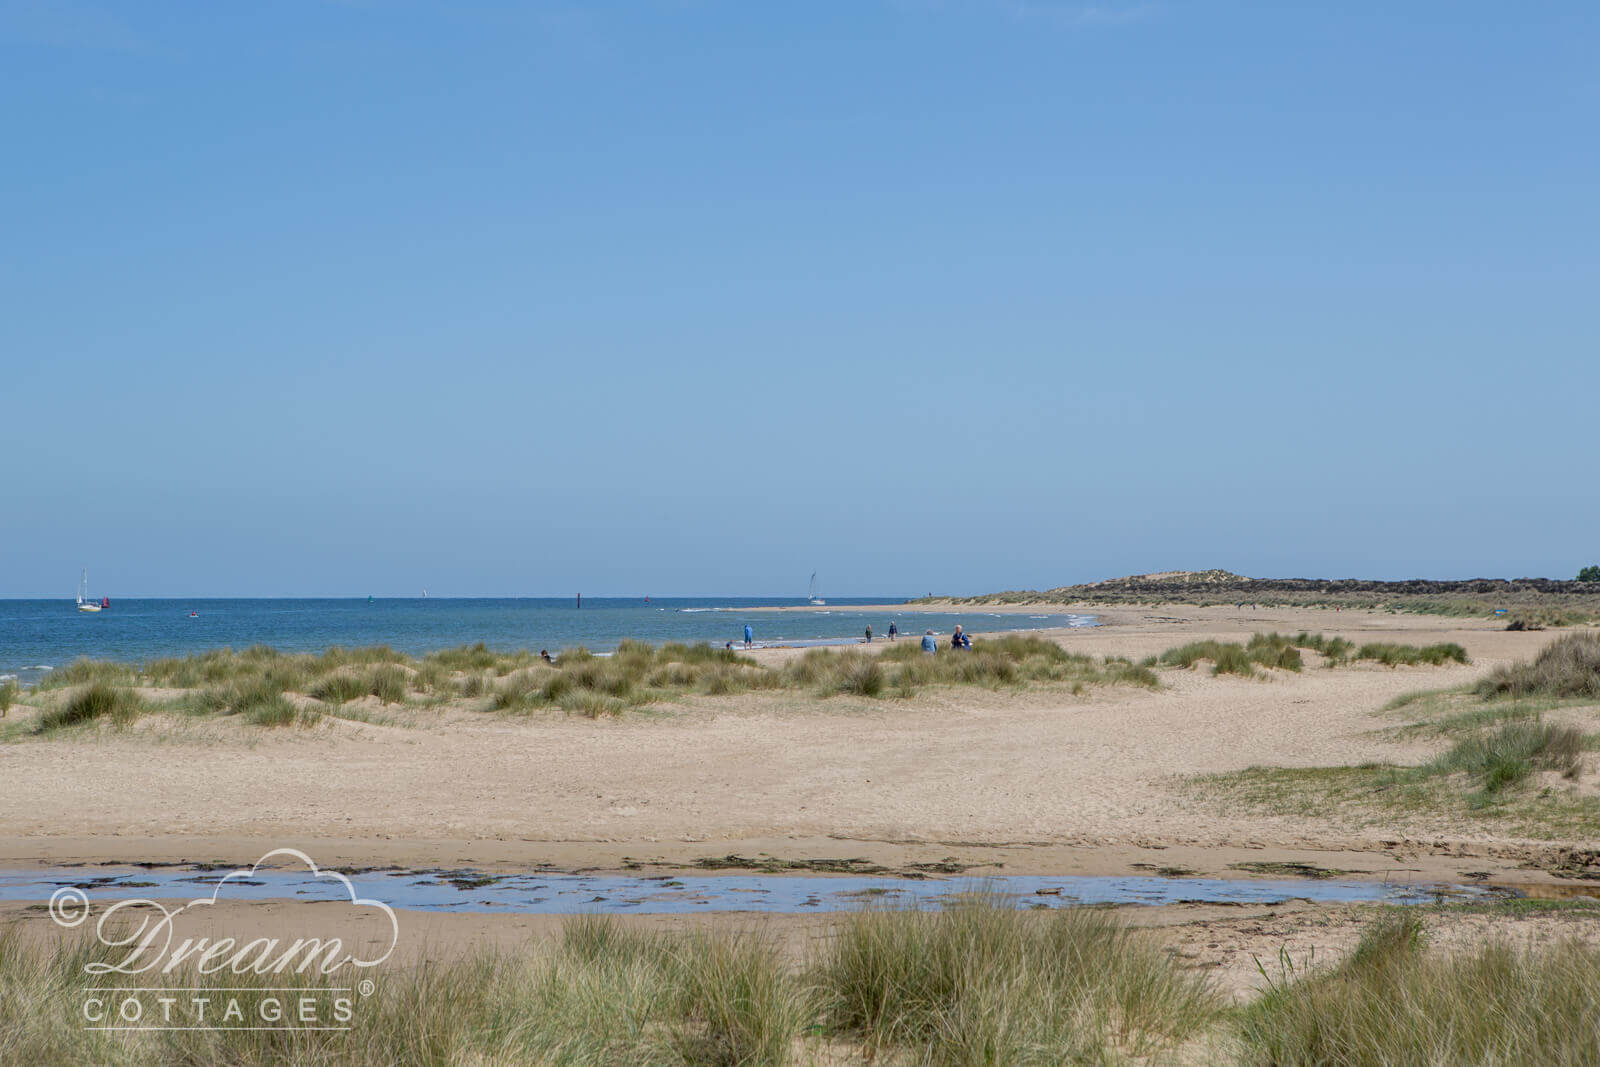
(39, 634)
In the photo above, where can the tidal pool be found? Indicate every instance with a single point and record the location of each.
(567, 894)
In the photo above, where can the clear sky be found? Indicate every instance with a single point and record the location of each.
(690, 296)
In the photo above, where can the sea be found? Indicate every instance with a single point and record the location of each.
(37, 636)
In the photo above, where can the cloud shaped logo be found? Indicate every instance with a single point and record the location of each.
(147, 932)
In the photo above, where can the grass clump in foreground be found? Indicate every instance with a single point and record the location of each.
(979, 983)
(984, 983)
(1393, 1002)
(98, 702)
(605, 995)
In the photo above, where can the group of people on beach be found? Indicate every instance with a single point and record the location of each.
(959, 640)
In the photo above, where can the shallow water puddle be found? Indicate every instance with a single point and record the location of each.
(566, 894)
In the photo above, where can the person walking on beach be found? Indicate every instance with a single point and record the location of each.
(869, 633)
(749, 636)
(893, 630)
(929, 645)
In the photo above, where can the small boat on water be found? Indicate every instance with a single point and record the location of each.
(84, 603)
(811, 595)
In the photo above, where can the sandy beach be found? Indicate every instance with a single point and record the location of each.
(1037, 780)
(1032, 780)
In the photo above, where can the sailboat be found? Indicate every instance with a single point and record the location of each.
(84, 603)
(811, 596)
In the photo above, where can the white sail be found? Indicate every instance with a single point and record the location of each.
(811, 594)
(84, 603)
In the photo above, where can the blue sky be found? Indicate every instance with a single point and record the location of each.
(698, 297)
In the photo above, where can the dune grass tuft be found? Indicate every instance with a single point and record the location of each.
(1509, 755)
(981, 982)
(1568, 667)
(1281, 652)
(1394, 1002)
(95, 703)
(1393, 655)
(88, 672)
(1225, 657)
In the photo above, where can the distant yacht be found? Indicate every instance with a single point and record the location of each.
(84, 603)
(811, 596)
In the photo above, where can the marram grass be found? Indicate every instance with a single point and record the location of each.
(263, 686)
(977, 983)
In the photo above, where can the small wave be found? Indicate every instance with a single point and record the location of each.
(8, 677)
(39, 667)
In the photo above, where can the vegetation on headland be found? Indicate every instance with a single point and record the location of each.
(1505, 761)
(1537, 601)
(265, 687)
(978, 982)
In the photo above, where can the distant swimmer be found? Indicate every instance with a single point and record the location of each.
(929, 645)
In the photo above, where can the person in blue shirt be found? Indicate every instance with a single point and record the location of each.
(956, 639)
(749, 635)
(929, 645)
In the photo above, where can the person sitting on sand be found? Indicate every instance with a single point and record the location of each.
(929, 645)
(544, 654)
